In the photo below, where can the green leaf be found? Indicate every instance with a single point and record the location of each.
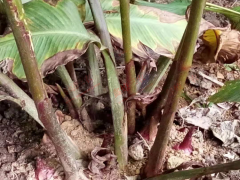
(232, 67)
(235, 18)
(232, 14)
(230, 92)
(58, 37)
(152, 28)
(177, 7)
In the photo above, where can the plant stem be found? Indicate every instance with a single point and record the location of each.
(153, 116)
(156, 156)
(156, 106)
(71, 71)
(154, 109)
(119, 120)
(94, 72)
(195, 173)
(222, 10)
(15, 14)
(69, 104)
(129, 63)
(71, 88)
(101, 25)
(20, 95)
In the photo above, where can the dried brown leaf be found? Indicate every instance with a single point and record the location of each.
(103, 165)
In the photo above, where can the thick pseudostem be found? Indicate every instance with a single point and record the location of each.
(130, 67)
(156, 156)
(66, 150)
(119, 120)
(94, 72)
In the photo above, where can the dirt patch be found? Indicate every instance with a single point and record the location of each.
(20, 134)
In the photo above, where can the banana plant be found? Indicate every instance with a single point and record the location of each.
(58, 37)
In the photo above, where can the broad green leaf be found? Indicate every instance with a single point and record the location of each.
(230, 92)
(58, 37)
(152, 28)
(235, 18)
(177, 7)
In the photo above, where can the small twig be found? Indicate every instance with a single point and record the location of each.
(234, 3)
(211, 79)
(92, 96)
(146, 144)
(68, 102)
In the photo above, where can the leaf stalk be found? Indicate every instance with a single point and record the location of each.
(156, 156)
(129, 63)
(22, 35)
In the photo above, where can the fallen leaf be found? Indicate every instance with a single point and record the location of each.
(103, 165)
(227, 132)
(219, 44)
(220, 75)
(201, 117)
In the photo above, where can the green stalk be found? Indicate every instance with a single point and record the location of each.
(129, 64)
(222, 10)
(16, 16)
(68, 102)
(156, 106)
(100, 23)
(156, 156)
(153, 115)
(19, 97)
(119, 121)
(71, 87)
(195, 173)
(72, 73)
(94, 72)
(154, 110)
(116, 99)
